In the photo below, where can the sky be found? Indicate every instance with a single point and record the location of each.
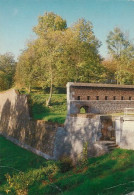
(18, 17)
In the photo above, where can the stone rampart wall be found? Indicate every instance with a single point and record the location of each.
(45, 138)
(16, 125)
(77, 132)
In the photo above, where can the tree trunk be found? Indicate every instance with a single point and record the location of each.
(51, 92)
(29, 88)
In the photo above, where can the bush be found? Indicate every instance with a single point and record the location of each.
(66, 164)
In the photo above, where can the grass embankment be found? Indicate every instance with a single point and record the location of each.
(30, 174)
(57, 110)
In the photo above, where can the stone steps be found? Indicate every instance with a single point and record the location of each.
(111, 145)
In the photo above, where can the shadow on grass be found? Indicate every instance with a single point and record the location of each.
(39, 109)
(40, 112)
(55, 117)
(56, 112)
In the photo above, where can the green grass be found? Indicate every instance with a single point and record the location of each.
(56, 112)
(28, 173)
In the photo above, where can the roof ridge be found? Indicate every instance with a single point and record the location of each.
(100, 85)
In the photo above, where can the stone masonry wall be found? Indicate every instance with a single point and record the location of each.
(45, 138)
(16, 125)
(124, 128)
(77, 132)
(101, 107)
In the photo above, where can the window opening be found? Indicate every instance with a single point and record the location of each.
(88, 97)
(106, 97)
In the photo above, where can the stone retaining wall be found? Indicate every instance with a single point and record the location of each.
(16, 125)
(77, 132)
(45, 138)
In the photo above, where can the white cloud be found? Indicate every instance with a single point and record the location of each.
(131, 0)
(15, 12)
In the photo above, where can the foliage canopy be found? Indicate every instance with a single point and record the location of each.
(60, 54)
(7, 71)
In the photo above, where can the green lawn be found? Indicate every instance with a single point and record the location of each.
(27, 173)
(56, 112)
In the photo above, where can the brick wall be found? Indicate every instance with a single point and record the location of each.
(102, 93)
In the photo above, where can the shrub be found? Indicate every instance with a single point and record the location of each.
(66, 164)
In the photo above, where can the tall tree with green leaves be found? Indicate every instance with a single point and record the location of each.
(7, 70)
(48, 29)
(49, 22)
(26, 72)
(122, 52)
(61, 54)
(87, 64)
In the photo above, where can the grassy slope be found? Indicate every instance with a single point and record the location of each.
(45, 177)
(56, 112)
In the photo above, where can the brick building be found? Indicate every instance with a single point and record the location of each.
(99, 98)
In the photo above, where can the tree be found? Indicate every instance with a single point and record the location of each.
(110, 69)
(87, 63)
(122, 52)
(60, 54)
(7, 71)
(26, 72)
(48, 29)
(49, 22)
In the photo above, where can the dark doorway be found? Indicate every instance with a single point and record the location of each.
(107, 129)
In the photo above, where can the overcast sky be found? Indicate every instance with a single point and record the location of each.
(17, 18)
